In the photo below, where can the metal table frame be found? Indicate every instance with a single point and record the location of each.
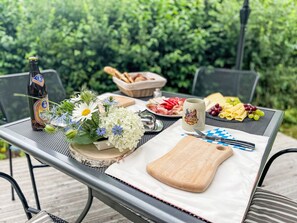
(130, 202)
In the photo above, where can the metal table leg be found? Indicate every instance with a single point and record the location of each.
(11, 172)
(87, 207)
(30, 166)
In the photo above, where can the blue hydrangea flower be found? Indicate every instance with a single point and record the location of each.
(101, 131)
(62, 119)
(72, 122)
(117, 130)
(108, 102)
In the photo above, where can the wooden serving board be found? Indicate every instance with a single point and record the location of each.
(190, 165)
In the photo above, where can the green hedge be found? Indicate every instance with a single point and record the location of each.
(78, 38)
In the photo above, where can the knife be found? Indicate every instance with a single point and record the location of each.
(246, 145)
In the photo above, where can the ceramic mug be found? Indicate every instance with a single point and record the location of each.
(193, 114)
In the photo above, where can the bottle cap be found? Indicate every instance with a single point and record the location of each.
(157, 93)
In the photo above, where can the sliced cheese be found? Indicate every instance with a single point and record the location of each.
(239, 111)
(213, 99)
(217, 98)
(241, 117)
(222, 114)
(233, 109)
(236, 112)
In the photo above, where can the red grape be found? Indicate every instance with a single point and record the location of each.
(215, 110)
(214, 113)
(253, 111)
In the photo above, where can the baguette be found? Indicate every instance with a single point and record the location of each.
(111, 71)
(115, 73)
(123, 78)
(128, 77)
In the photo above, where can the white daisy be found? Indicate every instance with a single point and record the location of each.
(75, 99)
(83, 111)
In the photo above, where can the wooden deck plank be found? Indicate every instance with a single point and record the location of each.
(63, 196)
(66, 197)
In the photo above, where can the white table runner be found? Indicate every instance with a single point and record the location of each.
(227, 197)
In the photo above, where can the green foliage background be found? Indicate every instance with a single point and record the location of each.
(79, 37)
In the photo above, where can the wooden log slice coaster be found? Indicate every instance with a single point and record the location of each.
(89, 155)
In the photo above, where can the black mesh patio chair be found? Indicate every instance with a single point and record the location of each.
(208, 80)
(39, 216)
(267, 206)
(15, 108)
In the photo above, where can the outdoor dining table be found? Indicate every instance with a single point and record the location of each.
(129, 201)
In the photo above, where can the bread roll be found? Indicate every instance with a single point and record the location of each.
(139, 77)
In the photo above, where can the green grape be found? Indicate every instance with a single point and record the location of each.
(233, 101)
(256, 117)
(229, 101)
(251, 116)
(259, 112)
(262, 113)
(236, 101)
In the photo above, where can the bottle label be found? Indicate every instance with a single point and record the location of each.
(40, 108)
(38, 79)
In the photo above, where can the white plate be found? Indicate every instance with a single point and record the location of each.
(168, 116)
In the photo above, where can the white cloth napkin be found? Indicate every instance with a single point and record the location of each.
(227, 197)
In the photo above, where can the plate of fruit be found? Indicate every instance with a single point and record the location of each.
(166, 107)
(231, 109)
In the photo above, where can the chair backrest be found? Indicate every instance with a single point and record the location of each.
(15, 107)
(228, 82)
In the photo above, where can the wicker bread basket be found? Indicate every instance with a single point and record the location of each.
(142, 88)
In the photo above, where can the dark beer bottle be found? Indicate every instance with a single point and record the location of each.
(38, 99)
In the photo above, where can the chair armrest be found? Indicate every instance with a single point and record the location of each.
(269, 162)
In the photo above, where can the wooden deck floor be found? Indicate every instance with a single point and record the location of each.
(66, 197)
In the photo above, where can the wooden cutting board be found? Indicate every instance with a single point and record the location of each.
(190, 165)
(124, 101)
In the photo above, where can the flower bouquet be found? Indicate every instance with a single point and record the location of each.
(85, 119)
